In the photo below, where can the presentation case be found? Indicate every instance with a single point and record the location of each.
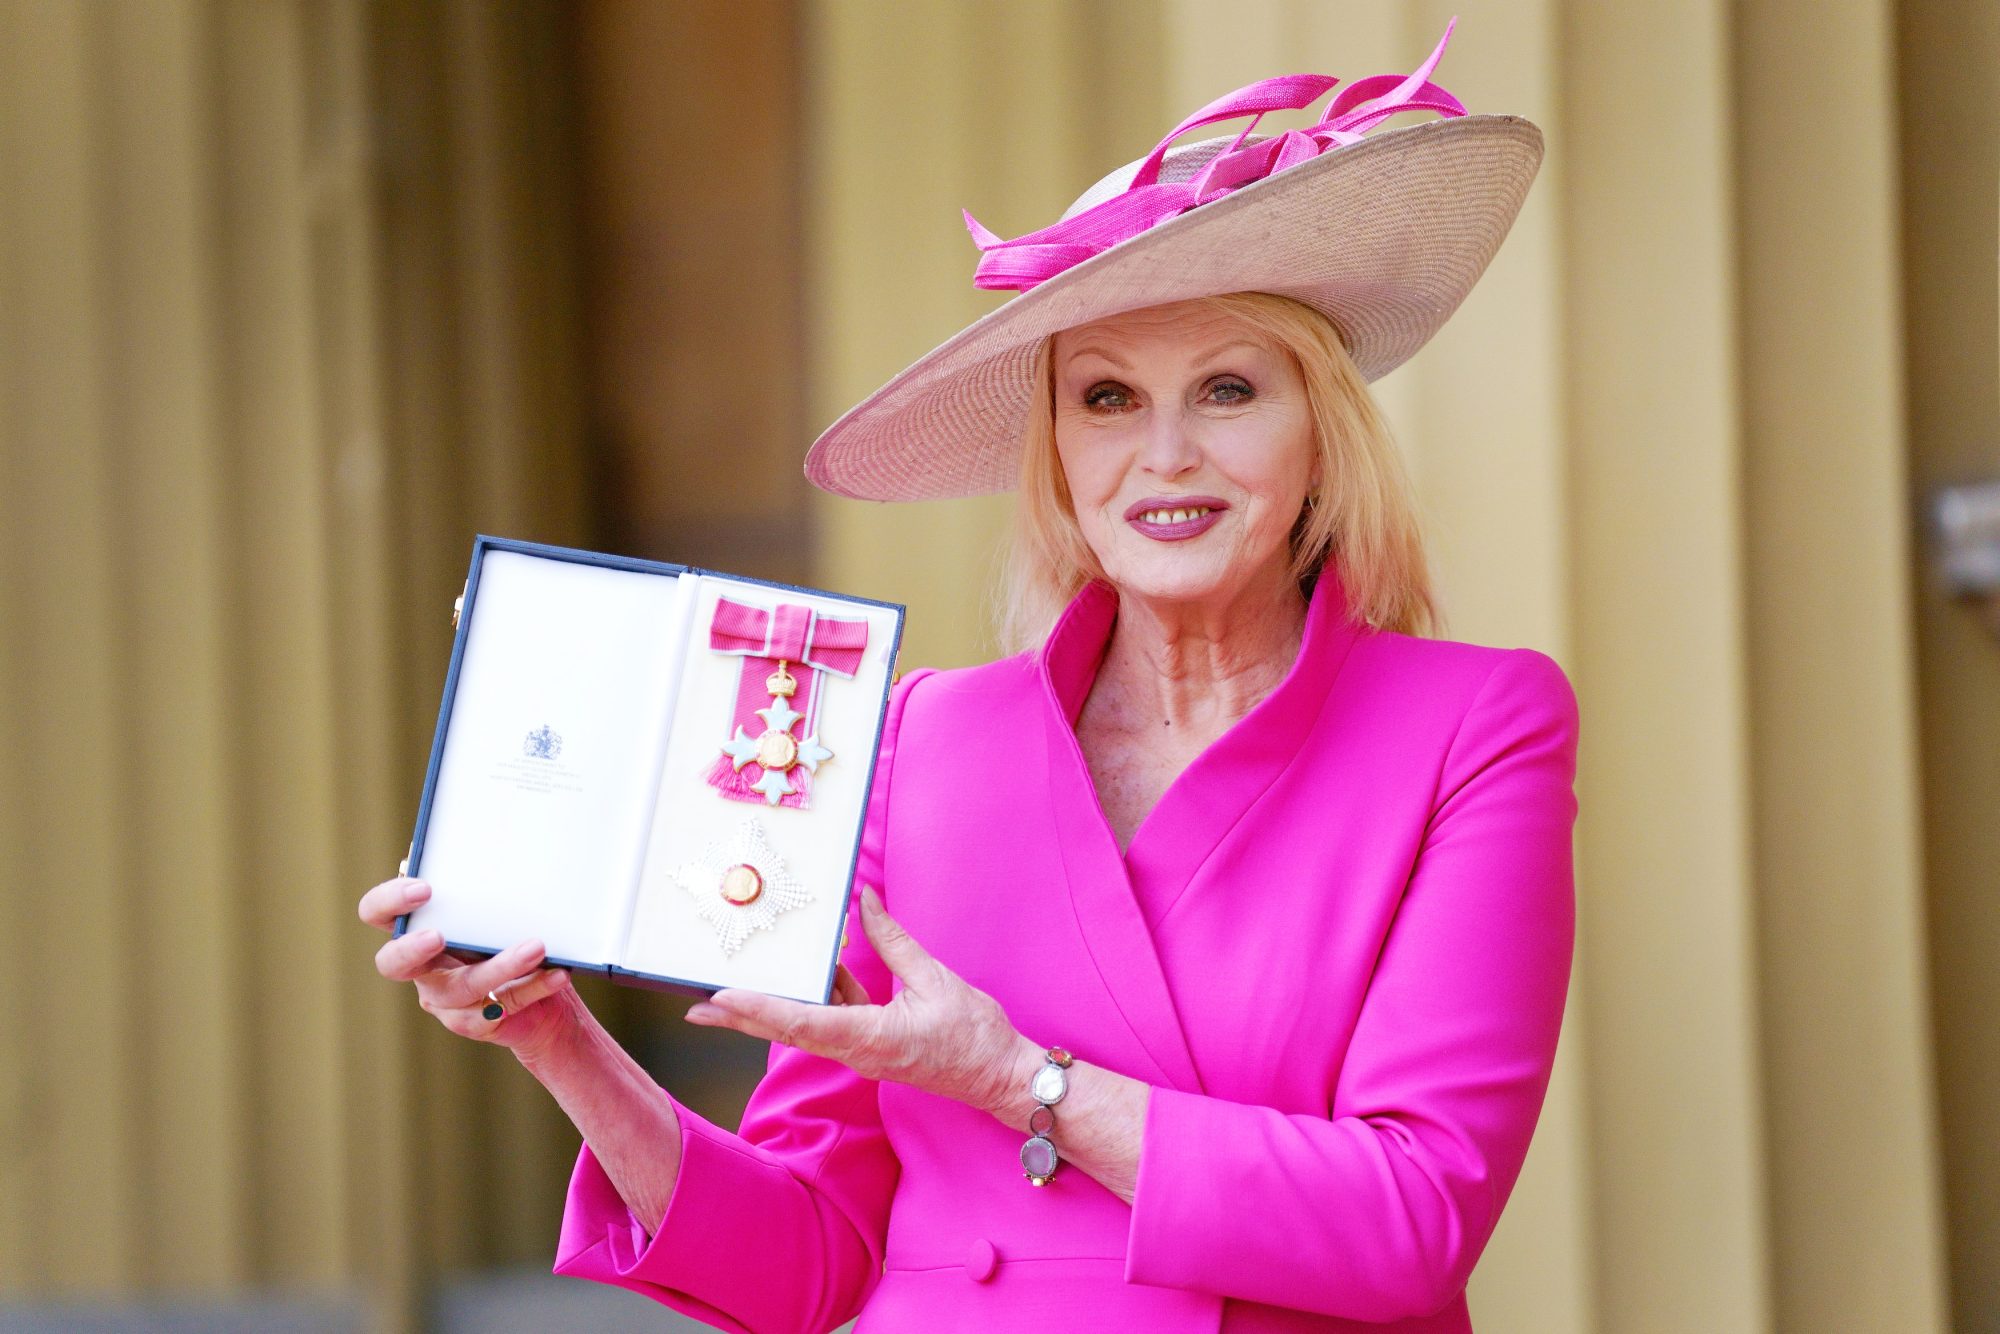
(661, 772)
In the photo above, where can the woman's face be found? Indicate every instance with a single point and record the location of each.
(1186, 441)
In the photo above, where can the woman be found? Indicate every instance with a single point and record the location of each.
(1289, 883)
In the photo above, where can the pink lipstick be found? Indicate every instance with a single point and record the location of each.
(1175, 518)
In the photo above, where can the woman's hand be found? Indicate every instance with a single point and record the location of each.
(453, 990)
(940, 1034)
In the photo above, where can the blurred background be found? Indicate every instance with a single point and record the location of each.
(298, 295)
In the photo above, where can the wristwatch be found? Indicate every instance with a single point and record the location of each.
(1051, 1082)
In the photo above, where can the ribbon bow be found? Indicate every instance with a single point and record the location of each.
(788, 633)
(1028, 260)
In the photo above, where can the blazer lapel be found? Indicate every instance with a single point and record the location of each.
(1197, 811)
(1215, 792)
(1114, 929)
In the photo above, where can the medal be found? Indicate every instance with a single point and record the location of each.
(741, 885)
(768, 758)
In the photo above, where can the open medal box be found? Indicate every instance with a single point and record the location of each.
(661, 772)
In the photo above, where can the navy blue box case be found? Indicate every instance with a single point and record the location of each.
(660, 771)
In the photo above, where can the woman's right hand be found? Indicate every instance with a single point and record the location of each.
(453, 990)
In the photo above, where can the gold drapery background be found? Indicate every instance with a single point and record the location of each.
(296, 296)
(286, 318)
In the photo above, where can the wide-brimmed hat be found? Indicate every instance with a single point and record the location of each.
(1382, 231)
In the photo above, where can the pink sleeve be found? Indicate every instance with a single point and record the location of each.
(782, 1225)
(1379, 1210)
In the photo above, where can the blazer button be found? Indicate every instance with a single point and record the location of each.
(981, 1260)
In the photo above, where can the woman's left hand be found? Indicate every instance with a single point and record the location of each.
(940, 1033)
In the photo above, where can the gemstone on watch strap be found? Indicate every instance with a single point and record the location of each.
(1049, 1084)
(1038, 1157)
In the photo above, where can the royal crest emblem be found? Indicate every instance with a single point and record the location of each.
(544, 743)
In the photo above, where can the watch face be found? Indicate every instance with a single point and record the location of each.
(1050, 1083)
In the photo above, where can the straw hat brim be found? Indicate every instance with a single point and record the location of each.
(1385, 237)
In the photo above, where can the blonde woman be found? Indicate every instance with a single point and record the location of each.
(1235, 911)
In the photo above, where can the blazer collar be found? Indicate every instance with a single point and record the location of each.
(1113, 893)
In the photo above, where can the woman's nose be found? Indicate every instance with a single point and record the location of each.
(1170, 448)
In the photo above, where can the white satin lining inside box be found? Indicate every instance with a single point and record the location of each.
(573, 801)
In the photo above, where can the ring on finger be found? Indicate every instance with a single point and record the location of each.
(494, 1008)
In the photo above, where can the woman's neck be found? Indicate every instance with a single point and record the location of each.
(1199, 667)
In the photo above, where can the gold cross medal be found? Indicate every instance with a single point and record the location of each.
(767, 757)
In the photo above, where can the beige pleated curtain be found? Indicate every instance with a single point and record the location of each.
(285, 309)
(289, 305)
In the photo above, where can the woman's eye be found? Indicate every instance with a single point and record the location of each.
(1106, 396)
(1231, 391)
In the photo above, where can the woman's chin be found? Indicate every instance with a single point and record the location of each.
(1178, 579)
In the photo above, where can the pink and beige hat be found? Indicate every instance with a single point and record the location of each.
(1385, 233)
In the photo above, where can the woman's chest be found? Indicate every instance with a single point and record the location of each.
(1228, 950)
(1132, 769)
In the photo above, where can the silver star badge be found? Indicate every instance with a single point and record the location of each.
(741, 885)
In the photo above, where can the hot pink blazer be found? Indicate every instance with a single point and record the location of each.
(1337, 950)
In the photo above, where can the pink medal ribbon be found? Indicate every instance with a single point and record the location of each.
(769, 758)
(1029, 260)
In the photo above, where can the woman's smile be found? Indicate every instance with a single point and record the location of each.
(1175, 518)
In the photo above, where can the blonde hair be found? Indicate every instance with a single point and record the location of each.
(1363, 514)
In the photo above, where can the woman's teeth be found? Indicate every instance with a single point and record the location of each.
(1172, 516)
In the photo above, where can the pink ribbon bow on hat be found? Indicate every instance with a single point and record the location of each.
(1028, 260)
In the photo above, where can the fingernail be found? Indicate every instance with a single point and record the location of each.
(419, 892)
(701, 1013)
(869, 899)
(558, 978)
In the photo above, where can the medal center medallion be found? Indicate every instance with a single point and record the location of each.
(742, 883)
(777, 750)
